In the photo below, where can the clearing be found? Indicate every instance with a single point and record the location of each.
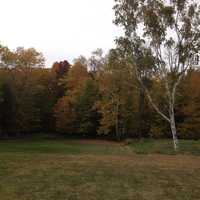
(99, 170)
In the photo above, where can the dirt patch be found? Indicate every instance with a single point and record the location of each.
(182, 162)
(162, 161)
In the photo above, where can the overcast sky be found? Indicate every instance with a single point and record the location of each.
(61, 29)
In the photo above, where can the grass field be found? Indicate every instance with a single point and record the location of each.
(90, 170)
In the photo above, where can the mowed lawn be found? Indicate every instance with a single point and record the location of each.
(90, 170)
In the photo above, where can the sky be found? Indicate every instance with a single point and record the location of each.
(60, 29)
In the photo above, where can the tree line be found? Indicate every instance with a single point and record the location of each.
(96, 96)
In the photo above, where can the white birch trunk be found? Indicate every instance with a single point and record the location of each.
(171, 100)
(173, 130)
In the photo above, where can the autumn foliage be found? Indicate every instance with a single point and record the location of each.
(70, 99)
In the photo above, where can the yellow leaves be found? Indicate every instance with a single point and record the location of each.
(75, 78)
(64, 114)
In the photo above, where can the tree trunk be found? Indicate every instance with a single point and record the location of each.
(141, 113)
(174, 134)
(171, 118)
(117, 122)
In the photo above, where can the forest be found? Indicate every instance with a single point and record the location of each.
(99, 96)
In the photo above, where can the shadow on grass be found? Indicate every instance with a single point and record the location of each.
(74, 147)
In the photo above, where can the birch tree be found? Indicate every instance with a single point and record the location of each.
(170, 30)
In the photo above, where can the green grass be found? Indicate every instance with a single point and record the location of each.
(79, 170)
(71, 147)
(75, 147)
(149, 146)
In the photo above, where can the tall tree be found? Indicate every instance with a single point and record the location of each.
(116, 85)
(86, 114)
(20, 88)
(171, 29)
(74, 111)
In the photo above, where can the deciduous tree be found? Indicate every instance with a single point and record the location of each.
(171, 29)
